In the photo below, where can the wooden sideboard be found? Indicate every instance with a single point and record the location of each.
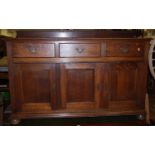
(77, 77)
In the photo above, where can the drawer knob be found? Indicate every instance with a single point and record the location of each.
(138, 49)
(80, 50)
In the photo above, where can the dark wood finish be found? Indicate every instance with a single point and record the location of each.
(75, 113)
(66, 60)
(34, 89)
(104, 85)
(124, 79)
(100, 82)
(81, 33)
(125, 48)
(80, 50)
(80, 86)
(33, 49)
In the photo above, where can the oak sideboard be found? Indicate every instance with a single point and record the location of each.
(77, 77)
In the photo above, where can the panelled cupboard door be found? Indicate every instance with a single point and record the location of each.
(34, 87)
(126, 84)
(80, 86)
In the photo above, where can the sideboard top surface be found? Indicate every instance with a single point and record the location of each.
(79, 33)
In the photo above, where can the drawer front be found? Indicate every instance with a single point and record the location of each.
(125, 48)
(33, 50)
(80, 49)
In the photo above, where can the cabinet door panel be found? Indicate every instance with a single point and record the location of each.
(34, 94)
(34, 86)
(79, 78)
(125, 82)
(79, 86)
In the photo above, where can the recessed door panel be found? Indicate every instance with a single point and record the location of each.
(125, 82)
(34, 85)
(79, 86)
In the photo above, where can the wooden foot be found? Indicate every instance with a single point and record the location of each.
(15, 121)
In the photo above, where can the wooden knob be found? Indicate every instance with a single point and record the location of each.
(138, 49)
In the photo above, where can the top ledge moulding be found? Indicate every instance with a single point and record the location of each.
(80, 33)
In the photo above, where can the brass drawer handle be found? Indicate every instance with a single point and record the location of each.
(80, 50)
(31, 49)
(124, 49)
